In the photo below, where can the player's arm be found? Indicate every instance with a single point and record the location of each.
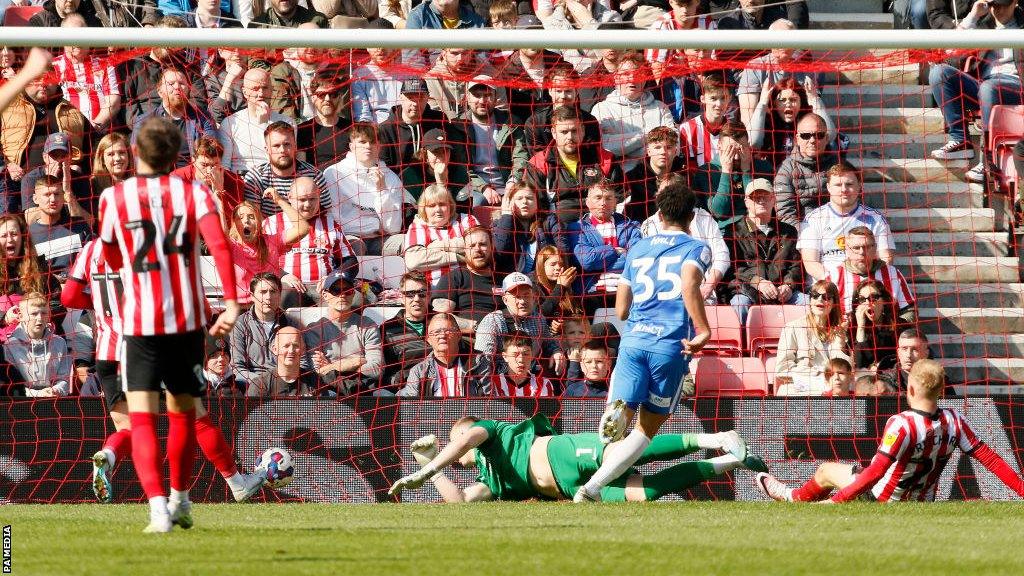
(452, 494)
(468, 440)
(73, 294)
(996, 465)
(866, 479)
(212, 232)
(623, 300)
(693, 277)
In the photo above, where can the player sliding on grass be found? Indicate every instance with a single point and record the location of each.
(916, 445)
(659, 296)
(529, 460)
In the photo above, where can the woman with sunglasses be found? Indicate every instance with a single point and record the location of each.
(772, 125)
(873, 324)
(808, 343)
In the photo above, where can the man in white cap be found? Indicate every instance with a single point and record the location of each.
(520, 315)
(765, 262)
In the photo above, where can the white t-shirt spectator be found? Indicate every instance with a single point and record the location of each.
(824, 230)
(361, 205)
(243, 141)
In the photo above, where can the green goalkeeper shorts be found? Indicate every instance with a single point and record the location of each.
(574, 458)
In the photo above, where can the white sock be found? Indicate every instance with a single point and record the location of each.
(724, 463)
(158, 506)
(709, 441)
(111, 457)
(179, 497)
(625, 455)
(235, 481)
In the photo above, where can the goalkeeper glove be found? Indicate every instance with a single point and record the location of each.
(424, 449)
(414, 480)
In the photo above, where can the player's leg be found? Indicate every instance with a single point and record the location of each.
(181, 375)
(118, 445)
(828, 477)
(217, 450)
(675, 446)
(684, 476)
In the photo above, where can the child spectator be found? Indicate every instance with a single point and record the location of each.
(838, 377)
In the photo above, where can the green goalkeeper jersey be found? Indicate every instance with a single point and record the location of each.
(504, 459)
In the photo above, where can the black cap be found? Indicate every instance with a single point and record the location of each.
(339, 276)
(414, 86)
(435, 139)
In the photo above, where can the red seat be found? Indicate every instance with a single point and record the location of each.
(20, 15)
(726, 332)
(1005, 129)
(716, 376)
(764, 327)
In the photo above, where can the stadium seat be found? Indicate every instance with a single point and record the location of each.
(726, 332)
(307, 315)
(211, 280)
(764, 327)
(387, 270)
(608, 315)
(379, 314)
(20, 15)
(715, 376)
(1006, 128)
(769, 372)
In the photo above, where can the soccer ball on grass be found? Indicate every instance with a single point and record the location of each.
(275, 465)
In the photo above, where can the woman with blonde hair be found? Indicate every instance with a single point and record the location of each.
(808, 343)
(253, 251)
(434, 242)
(111, 164)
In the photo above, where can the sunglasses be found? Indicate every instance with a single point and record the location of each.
(339, 290)
(414, 293)
(869, 298)
(323, 95)
(815, 135)
(821, 296)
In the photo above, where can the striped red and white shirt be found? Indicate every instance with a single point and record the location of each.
(451, 380)
(698, 144)
(154, 222)
(105, 288)
(422, 234)
(668, 22)
(315, 254)
(87, 84)
(887, 274)
(535, 387)
(920, 445)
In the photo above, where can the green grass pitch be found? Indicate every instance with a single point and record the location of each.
(525, 538)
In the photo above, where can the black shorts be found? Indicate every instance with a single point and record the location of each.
(110, 384)
(172, 362)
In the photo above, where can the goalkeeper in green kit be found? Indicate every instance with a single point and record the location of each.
(529, 460)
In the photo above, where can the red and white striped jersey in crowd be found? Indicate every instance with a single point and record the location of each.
(667, 22)
(920, 444)
(536, 387)
(105, 289)
(696, 143)
(422, 234)
(310, 259)
(887, 274)
(154, 223)
(451, 380)
(87, 84)
(607, 281)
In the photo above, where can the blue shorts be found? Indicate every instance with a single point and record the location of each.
(654, 380)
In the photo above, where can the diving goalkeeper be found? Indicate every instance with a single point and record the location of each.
(529, 460)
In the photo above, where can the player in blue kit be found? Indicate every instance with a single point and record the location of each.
(659, 298)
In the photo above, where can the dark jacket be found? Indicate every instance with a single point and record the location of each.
(403, 348)
(756, 255)
(723, 197)
(399, 141)
(114, 14)
(302, 15)
(596, 257)
(641, 186)
(141, 78)
(524, 96)
(538, 129)
(880, 345)
(511, 143)
(250, 346)
(562, 192)
(196, 125)
(800, 185)
(512, 239)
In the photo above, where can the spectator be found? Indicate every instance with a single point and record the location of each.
(293, 75)
(759, 14)
(216, 13)
(55, 13)
(808, 343)
(324, 137)
(142, 76)
(403, 336)
(470, 292)
(765, 74)
(368, 197)
(661, 161)
(681, 15)
(58, 225)
(447, 371)
(322, 250)
(448, 79)
(175, 107)
(21, 271)
(800, 182)
(251, 354)
(375, 87)
(839, 378)
(443, 15)
(405, 130)
(868, 385)
(254, 251)
(873, 325)
(243, 133)
(282, 169)
(565, 169)
(911, 346)
(949, 14)
(520, 314)
(395, 11)
(345, 347)
(823, 232)
(111, 164)
(89, 81)
(595, 365)
(555, 281)
(207, 167)
(600, 241)
(601, 74)
(629, 113)
(698, 136)
(576, 331)
(996, 81)
(287, 14)
(517, 379)
(221, 78)
(433, 165)
(562, 82)
(774, 133)
(495, 145)
(521, 231)
(435, 243)
(56, 164)
(220, 380)
(114, 14)
(862, 263)
(524, 72)
(286, 83)
(38, 357)
(286, 377)
(679, 88)
(577, 15)
(765, 262)
(721, 182)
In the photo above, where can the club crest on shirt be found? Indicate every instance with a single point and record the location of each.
(889, 440)
(841, 242)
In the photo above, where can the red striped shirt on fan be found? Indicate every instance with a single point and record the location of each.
(315, 255)
(154, 222)
(920, 445)
(105, 290)
(887, 274)
(696, 143)
(87, 84)
(667, 22)
(535, 387)
(422, 234)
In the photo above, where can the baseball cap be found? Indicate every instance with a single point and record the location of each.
(414, 85)
(338, 276)
(515, 279)
(759, 184)
(435, 139)
(57, 141)
(1000, 2)
(480, 80)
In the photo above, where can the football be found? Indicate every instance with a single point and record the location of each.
(276, 467)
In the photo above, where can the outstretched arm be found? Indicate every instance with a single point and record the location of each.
(471, 438)
(865, 480)
(996, 465)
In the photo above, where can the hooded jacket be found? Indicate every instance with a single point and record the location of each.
(39, 363)
(625, 123)
(800, 184)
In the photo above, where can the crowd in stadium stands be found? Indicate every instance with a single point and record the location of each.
(511, 184)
